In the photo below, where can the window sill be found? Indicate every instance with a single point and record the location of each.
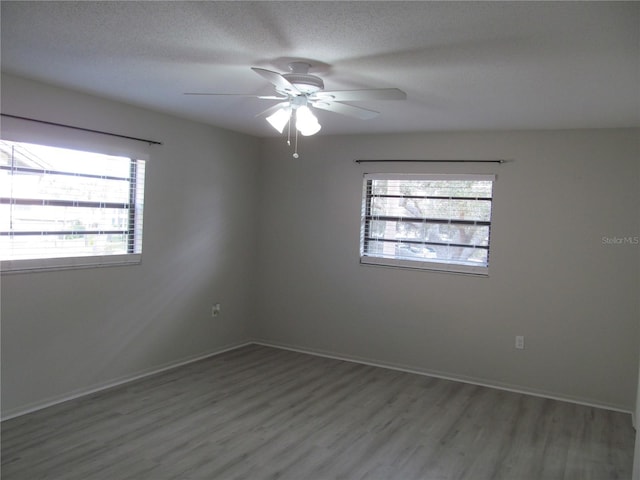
(474, 271)
(67, 263)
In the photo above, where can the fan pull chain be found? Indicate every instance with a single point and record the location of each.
(289, 131)
(295, 150)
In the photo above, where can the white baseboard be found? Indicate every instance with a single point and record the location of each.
(39, 405)
(442, 375)
(23, 410)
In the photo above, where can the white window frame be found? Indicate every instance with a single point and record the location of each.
(21, 130)
(451, 266)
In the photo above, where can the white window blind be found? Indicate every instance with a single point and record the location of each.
(68, 208)
(436, 222)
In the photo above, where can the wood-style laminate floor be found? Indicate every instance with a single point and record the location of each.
(265, 413)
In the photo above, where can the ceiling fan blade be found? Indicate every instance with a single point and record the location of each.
(246, 95)
(360, 95)
(222, 94)
(273, 109)
(276, 79)
(344, 109)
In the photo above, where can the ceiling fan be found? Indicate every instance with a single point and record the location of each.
(299, 90)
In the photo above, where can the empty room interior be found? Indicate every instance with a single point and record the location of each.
(320, 240)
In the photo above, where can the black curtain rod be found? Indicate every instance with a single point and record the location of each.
(150, 142)
(431, 161)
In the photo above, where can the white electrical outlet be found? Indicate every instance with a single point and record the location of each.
(215, 310)
(520, 342)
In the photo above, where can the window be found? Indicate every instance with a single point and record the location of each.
(62, 208)
(436, 222)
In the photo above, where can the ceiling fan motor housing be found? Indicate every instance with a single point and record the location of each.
(305, 83)
(302, 79)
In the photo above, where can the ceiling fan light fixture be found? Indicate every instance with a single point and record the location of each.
(306, 122)
(280, 118)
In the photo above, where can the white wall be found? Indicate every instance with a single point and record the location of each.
(551, 277)
(66, 332)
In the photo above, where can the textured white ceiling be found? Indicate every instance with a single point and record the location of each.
(464, 65)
